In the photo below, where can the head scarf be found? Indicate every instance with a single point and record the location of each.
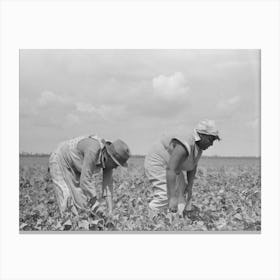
(208, 127)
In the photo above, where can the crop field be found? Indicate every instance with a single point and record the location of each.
(226, 197)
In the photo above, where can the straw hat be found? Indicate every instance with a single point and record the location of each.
(118, 151)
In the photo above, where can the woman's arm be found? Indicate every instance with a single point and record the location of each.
(190, 177)
(107, 188)
(87, 183)
(178, 156)
(90, 149)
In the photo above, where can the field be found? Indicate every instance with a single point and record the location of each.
(226, 197)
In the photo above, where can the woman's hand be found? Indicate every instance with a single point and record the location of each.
(181, 205)
(173, 204)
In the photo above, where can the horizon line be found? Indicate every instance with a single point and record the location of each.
(139, 155)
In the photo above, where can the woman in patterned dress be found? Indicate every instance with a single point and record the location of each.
(72, 167)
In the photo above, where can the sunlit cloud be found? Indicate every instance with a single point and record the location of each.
(170, 87)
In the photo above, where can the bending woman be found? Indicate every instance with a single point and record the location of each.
(72, 167)
(170, 158)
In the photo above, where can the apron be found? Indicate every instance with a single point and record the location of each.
(156, 163)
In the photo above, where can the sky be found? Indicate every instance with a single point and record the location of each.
(138, 95)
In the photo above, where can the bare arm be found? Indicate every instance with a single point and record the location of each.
(178, 156)
(107, 188)
(190, 177)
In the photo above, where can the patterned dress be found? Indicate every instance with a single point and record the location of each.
(65, 165)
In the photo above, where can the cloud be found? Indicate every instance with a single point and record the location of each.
(229, 103)
(170, 87)
(48, 97)
(47, 105)
(136, 94)
(105, 112)
(48, 110)
(85, 108)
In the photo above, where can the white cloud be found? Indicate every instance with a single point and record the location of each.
(48, 97)
(85, 108)
(137, 96)
(229, 103)
(170, 87)
(106, 112)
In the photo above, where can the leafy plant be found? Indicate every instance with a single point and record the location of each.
(224, 199)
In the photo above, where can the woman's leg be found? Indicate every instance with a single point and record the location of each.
(156, 173)
(62, 191)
